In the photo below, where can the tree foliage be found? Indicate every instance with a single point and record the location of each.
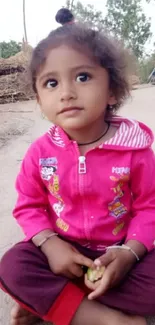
(86, 14)
(8, 49)
(126, 20)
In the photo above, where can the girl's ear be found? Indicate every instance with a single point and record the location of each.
(40, 107)
(112, 100)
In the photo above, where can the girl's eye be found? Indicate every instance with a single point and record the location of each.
(83, 77)
(52, 83)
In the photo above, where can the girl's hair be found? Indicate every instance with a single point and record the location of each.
(108, 53)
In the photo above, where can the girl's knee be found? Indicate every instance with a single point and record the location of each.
(12, 265)
(9, 265)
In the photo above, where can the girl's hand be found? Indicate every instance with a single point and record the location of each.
(64, 259)
(118, 263)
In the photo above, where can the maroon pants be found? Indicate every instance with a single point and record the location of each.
(25, 275)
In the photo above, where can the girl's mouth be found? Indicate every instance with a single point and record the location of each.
(71, 109)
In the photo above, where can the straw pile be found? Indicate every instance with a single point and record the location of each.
(14, 85)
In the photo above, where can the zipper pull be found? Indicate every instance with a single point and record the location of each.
(82, 165)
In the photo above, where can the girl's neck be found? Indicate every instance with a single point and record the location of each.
(89, 133)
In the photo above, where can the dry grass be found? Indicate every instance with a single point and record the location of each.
(14, 83)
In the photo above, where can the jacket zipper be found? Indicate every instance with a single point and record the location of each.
(82, 170)
(82, 165)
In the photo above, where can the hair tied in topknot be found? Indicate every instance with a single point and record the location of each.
(64, 16)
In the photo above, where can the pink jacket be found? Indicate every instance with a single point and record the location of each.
(97, 200)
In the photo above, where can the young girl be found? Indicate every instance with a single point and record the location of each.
(86, 192)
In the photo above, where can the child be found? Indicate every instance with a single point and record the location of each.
(86, 191)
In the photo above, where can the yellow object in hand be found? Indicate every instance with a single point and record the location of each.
(95, 274)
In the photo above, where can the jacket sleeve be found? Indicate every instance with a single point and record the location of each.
(31, 210)
(142, 225)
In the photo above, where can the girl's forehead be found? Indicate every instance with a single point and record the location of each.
(65, 56)
(69, 51)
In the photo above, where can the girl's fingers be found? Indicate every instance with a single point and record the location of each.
(68, 274)
(76, 270)
(82, 260)
(105, 259)
(106, 282)
(102, 287)
(91, 285)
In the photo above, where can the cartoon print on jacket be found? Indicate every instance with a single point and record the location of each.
(116, 208)
(47, 172)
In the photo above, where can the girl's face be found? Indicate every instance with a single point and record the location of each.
(73, 90)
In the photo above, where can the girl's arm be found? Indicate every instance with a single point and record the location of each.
(142, 225)
(31, 207)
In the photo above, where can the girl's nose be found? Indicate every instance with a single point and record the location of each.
(68, 92)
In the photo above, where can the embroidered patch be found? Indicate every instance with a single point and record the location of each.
(48, 161)
(118, 228)
(54, 187)
(121, 170)
(47, 172)
(58, 208)
(116, 208)
(48, 167)
(62, 225)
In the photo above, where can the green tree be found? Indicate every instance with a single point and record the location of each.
(69, 4)
(126, 20)
(86, 13)
(8, 49)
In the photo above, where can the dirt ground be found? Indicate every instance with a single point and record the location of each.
(20, 124)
